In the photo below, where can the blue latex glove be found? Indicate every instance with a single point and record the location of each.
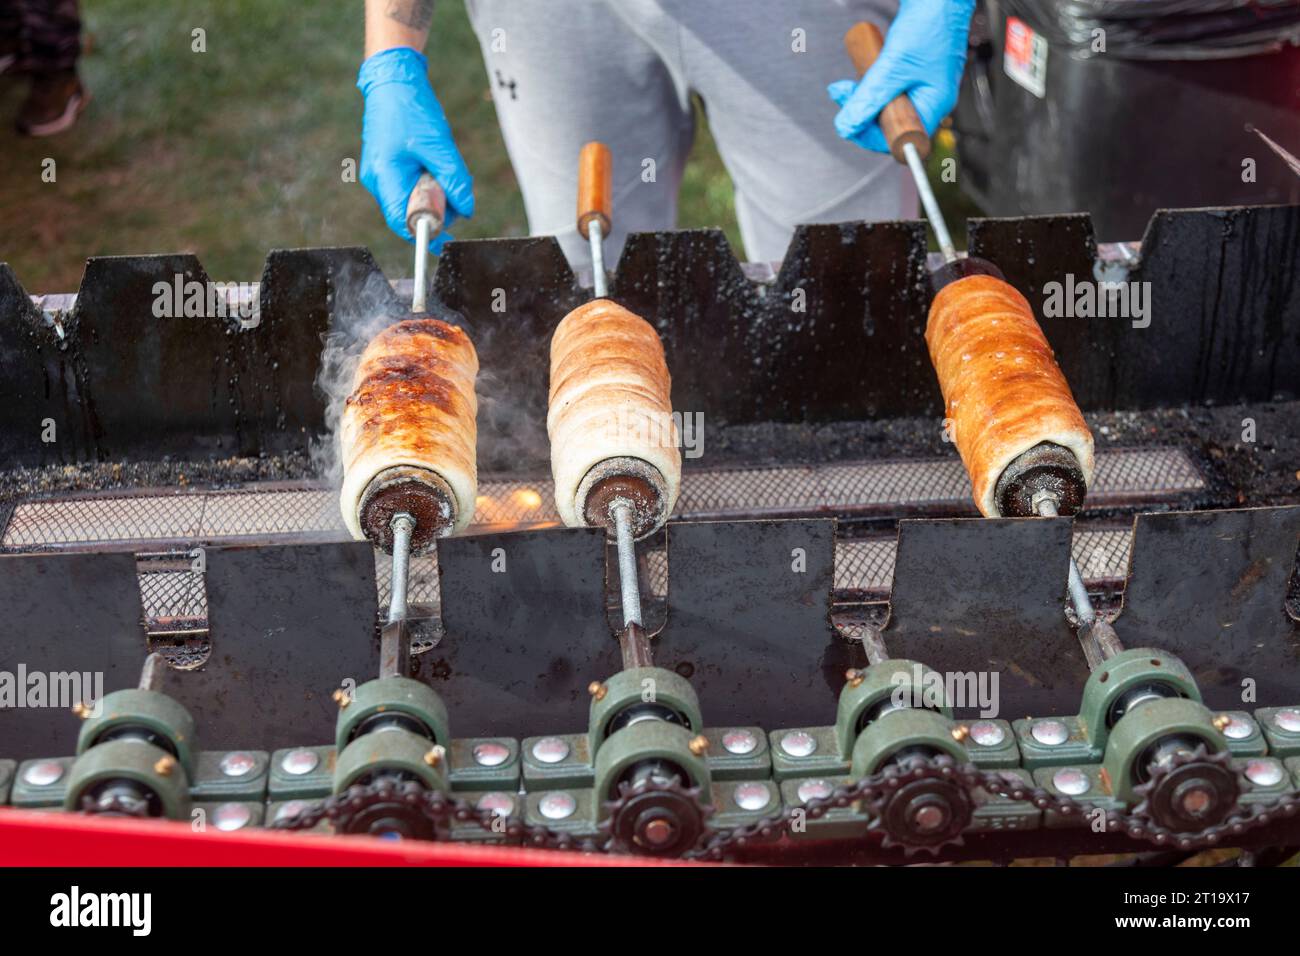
(923, 56)
(405, 132)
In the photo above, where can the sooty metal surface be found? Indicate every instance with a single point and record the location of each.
(838, 335)
(841, 335)
(1224, 310)
(985, 595)
(289, 624)
(749, 620)
(524, 631)
(125, 382)
(511, 294)
(65, 614)
(1211, 587)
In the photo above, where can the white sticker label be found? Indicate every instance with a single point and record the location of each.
(1025, 56)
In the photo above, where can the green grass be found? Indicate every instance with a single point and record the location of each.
(239, 150)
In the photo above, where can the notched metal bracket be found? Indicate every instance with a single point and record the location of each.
(981, 596)
(1211, 587)
(749, 620)
(524, 630)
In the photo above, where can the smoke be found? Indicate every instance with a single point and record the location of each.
(511, 386)
(363, 305)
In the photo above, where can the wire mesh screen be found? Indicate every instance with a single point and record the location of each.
(163, 526)
(303, 510)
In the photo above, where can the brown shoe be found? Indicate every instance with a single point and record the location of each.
(53, 104)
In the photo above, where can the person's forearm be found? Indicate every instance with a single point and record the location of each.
(391, 23)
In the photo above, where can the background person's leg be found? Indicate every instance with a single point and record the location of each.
(10, 29)
(764, 88)
(565, 72)
(49, 47)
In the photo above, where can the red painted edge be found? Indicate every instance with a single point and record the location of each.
(44, 838)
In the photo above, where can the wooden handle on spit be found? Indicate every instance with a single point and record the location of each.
(427, 197)
(595, 187)
(898, 120)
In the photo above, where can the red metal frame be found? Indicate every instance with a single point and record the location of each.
(43, 838)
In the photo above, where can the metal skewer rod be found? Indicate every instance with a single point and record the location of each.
(426, 211)
(908, 140)
(1045, 506)
(595, 236)
(403, 525)
(422, 224)
(931, 205)
(629, 586)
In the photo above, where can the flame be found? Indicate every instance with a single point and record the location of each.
(526, 499)
(510, 512)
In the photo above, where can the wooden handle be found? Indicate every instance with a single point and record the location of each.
(427, 198)
(898, 120)
(595, 187)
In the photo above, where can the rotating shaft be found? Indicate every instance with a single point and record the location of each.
(403, 526)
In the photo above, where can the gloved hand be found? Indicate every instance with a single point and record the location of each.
(405, 132)
(923, 56)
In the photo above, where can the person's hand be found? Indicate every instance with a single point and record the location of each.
(404, 133)
(923, 56)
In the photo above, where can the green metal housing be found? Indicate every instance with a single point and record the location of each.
(150, 710)
(641, 685)
(394, 695)
(135, 760)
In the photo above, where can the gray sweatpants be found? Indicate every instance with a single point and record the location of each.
(564, 72)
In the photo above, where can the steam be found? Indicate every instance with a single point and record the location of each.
(511, 385)
(363, 306)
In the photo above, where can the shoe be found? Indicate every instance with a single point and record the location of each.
(53, 104)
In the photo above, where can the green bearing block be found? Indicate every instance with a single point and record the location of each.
(1266, 778)
(642, 685)
(227, 816)
(1129, 669)
(1082, 782)
(991, 744)
(738, 753)
(131, 760)
(900, 730)
(1145, 726)
(41, 782)
(838, 823)
(567, 810)
(392, 750)
(7, 768)
(233, 775)
(649, 740)
(301, 773)
(806, 752)
(1277, 723)
(737, 802)
(1053, 742)
(557, 761)
(909, 683)
(1002, 813)
(393, 695)
(484, 764)
(149, 709)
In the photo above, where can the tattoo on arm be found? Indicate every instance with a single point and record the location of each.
(416, 14)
